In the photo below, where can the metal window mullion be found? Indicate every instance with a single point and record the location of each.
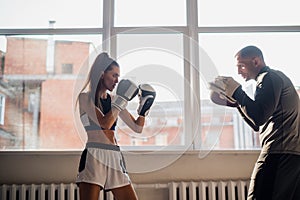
(51, 31)
(248, 29)
(149, 30)
(2, 109)
(188, 125)
(108, 23)
(80, 31)
(194, 90)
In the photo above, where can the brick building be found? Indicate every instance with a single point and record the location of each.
(39, 74)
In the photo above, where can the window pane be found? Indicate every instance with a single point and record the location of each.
(283, 58)
(150, 13)
(155, 59)
(36, 13)
(38, 93)
(252, 13)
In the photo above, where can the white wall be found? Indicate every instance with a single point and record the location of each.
(57, 167)
(48, 167)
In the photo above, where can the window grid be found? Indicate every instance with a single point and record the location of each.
(191, 31)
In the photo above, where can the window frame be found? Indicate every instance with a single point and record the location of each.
(191, 30)
(2, 108)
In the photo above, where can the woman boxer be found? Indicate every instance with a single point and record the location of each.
(102, 166)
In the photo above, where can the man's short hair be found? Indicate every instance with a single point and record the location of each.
(250, 52)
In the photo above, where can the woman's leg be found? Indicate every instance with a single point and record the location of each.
(89, 191)
(124, 193)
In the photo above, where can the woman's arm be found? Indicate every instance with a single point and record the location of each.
(105, 121)
(135, 124)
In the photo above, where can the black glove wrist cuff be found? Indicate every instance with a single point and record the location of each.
(238, 95)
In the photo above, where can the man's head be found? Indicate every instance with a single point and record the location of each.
(250, 60)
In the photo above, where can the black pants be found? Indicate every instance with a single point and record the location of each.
(275, 177)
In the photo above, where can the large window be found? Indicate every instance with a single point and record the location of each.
(175, 45)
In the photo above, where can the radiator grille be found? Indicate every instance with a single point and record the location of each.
(209, 190)
(202, 190)
(44, 192)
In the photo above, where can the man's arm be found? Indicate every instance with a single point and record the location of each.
(266, 98)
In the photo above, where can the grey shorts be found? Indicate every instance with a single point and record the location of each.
(103, 165)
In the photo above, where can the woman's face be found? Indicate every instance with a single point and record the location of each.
(110, 78)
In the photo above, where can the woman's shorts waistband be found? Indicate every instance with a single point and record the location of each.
(102, 146)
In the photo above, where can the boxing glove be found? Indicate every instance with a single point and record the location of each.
(223, 100)
(224, 85)
(146, 95)
(126, 91)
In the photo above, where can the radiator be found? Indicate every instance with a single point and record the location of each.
(209, 190)
(45, 192)
(202, 190)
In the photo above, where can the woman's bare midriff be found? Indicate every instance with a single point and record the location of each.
(102, 136)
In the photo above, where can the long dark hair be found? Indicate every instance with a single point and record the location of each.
(102, 64)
